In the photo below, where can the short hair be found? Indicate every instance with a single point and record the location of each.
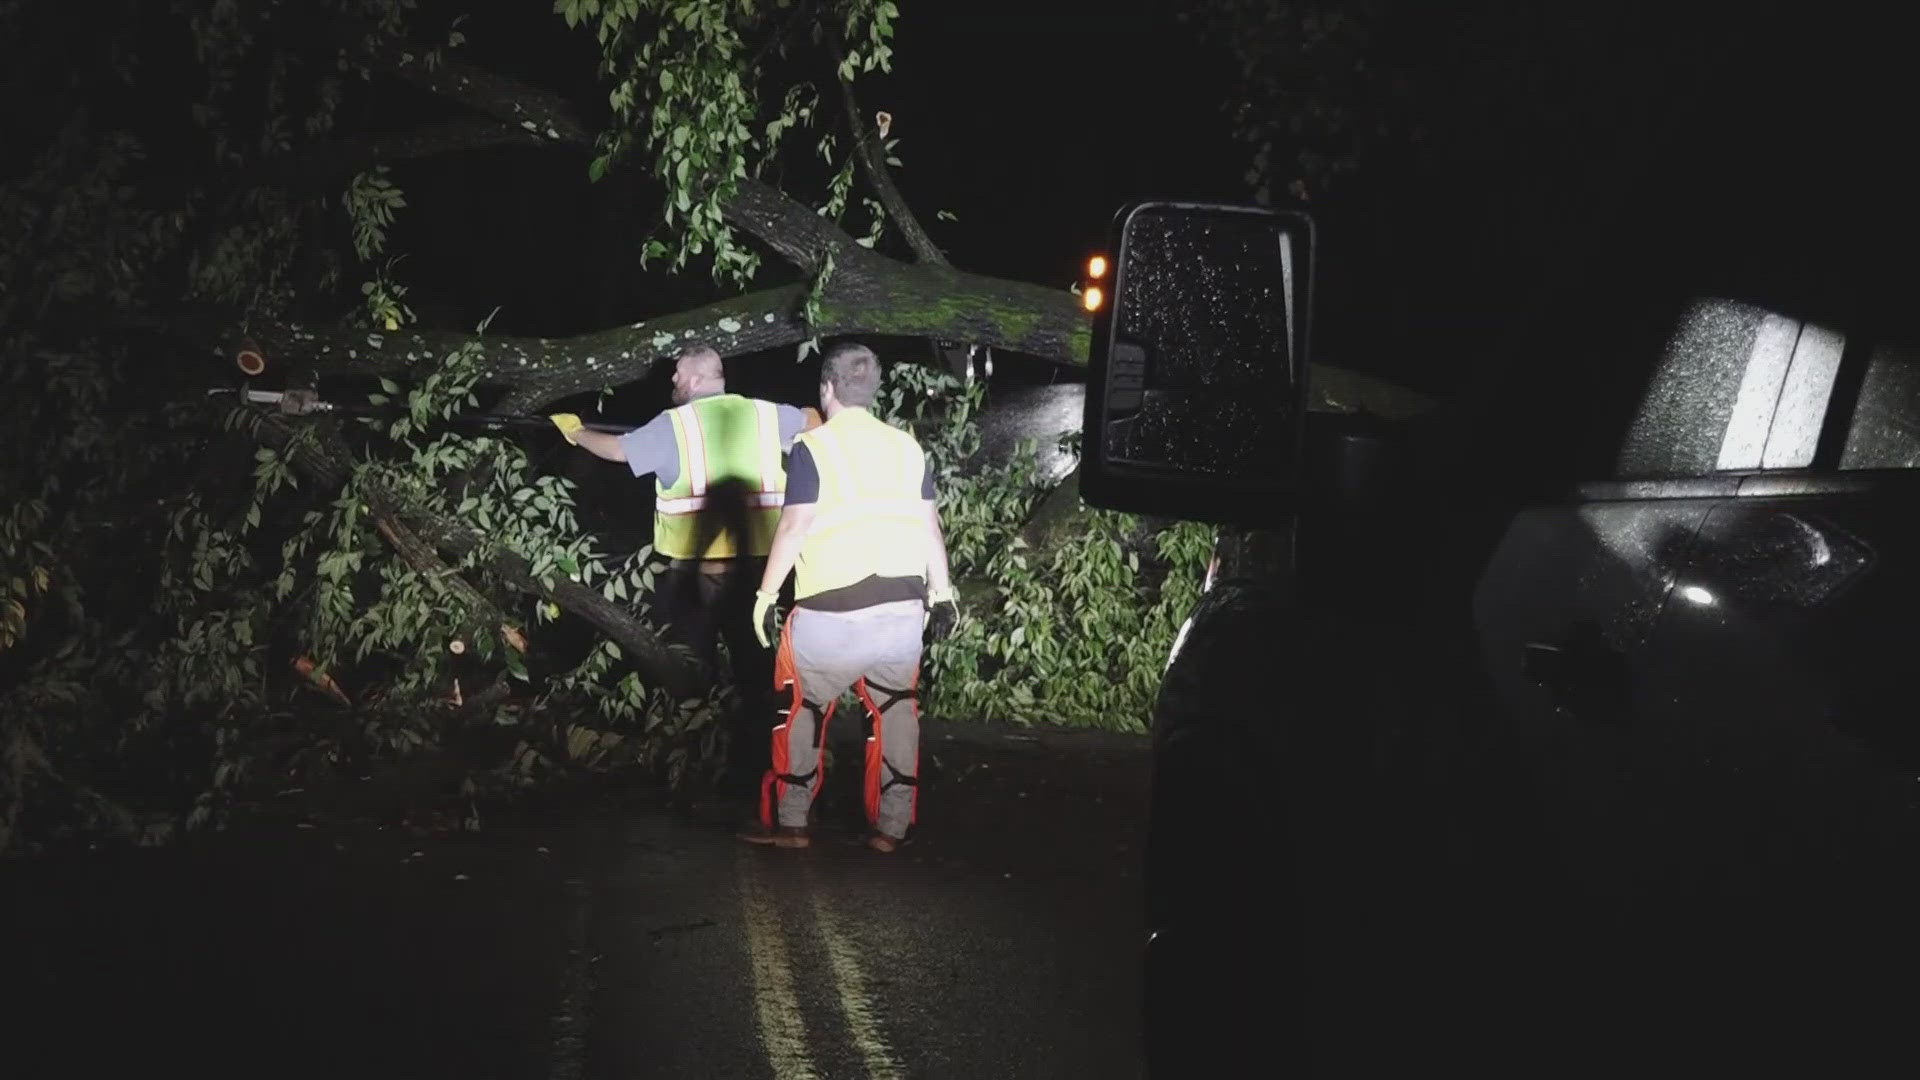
(853, 372)
(706, 360)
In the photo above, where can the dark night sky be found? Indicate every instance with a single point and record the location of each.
(1023, 125)
(1042, 125)
(1033, 128)
(1707, 148)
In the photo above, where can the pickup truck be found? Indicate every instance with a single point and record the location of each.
(1613, 776)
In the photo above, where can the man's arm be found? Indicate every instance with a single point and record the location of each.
(795, 520)
(649, 448)
(938, 582)
(943, 608)
(793, 421)
(600, 444)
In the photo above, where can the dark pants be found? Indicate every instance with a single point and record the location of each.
(704, 604)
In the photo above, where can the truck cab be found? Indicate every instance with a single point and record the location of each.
(1616, 773)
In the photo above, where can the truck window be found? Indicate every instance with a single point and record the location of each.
(1738, 389)
(1885, 433)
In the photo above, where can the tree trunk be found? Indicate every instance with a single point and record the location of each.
(872, 296)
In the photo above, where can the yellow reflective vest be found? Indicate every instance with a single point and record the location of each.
(870, 518)
(727, 498)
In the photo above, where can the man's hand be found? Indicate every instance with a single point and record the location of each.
(569, 425)
(766, 620)
(943, 614)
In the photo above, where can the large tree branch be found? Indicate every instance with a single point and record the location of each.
(446, 582)
(945, 304)
(328, 460)
(784, 224)
(542, 113)
(791, 229)
(758, 320)
(866, 294)
(873, 296)
(521, 115)
(911, 302)
(870, 149)
(325, 162)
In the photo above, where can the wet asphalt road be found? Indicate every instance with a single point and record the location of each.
(1003, 941)
(641, 941)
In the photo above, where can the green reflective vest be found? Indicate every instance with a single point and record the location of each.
(727, 498)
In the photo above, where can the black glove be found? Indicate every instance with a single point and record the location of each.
(943, 614)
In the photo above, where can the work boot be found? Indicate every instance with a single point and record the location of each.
(786, 836)
(882, 843)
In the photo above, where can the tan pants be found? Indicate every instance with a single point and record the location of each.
(874, 651)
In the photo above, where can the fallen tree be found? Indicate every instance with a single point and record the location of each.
(370, 548)
(845, 288)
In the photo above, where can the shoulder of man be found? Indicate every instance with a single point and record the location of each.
(654, 447)
(724, 401)
(813, 428)
(662, 423)
(781, 409)
(907, 444)
(906, 436)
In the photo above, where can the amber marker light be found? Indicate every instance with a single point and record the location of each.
(1092, 298)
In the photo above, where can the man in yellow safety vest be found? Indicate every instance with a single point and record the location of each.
(718, 489)
(860, 531)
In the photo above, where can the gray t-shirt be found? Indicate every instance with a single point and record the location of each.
(650, 448)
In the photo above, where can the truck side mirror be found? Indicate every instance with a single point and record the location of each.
(1197, 377)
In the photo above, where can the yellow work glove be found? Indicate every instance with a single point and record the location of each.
(766, 621)
(943, 613)
(569, 425)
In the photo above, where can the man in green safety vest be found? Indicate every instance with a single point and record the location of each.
(719, 485)
(862, 535)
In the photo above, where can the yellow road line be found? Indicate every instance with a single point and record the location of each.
(783, 1033)
(855, 999)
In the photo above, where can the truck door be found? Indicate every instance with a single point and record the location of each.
(1570, 616)
(1700, 665)
(1572, 609)
(1785, 697)
(1818, 568)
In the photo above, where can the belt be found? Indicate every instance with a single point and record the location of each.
(713, 566)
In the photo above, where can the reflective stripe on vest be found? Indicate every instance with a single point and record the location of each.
(870, 518)
(730, 443)
(696, 503)
(772, 476)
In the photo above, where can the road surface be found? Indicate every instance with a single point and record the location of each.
(622, 941)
